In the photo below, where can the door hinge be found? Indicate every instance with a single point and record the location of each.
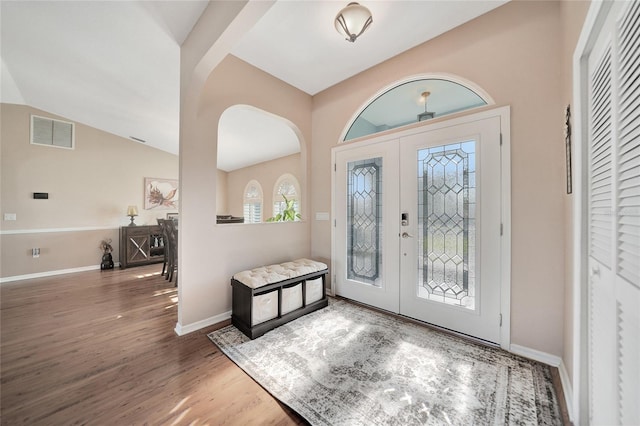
(335, 168)
(500, 139)
(501, 229)
(500, 320)
(334, 223)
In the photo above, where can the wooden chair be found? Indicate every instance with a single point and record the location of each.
(172, 261)
(165, 239)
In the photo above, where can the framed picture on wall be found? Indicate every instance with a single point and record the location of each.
(172, 215)
(160, 194)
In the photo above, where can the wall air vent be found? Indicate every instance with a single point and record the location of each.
(52, 132)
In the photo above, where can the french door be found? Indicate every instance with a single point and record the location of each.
(450, 244)
(366, 210)
(418, 225)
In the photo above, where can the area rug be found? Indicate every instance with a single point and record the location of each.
(348, 365)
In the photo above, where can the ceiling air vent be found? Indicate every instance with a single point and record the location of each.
(51, 132)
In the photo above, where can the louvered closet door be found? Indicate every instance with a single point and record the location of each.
(614, 219)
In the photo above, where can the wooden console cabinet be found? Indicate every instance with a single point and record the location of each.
(141, 245)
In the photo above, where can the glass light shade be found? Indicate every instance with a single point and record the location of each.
(352, 21)
(132, 211)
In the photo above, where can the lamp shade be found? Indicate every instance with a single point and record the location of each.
(132, 211)
(353, 20)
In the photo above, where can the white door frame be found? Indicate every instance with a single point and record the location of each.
(578, 396)
(505, 164)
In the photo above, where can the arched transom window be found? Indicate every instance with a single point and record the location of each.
(286, 190)
(414, 101)
(253, 202)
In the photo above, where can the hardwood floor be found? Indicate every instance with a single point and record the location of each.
(98, 347)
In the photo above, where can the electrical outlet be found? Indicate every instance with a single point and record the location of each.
(9, 216)
(35, 252)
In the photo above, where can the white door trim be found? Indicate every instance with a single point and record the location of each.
(579, 412)
(504, 113)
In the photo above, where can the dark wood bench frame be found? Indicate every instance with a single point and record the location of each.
(242, 303)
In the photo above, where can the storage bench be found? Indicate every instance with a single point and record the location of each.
(267, 297)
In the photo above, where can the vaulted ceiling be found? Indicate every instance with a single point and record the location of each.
(115, 65)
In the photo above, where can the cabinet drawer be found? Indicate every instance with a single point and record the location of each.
(132, 231)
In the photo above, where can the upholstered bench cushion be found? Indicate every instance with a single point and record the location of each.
(258, 277)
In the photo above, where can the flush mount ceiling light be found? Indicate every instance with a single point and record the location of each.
(352, 21)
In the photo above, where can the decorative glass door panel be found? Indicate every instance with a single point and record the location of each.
(366, 233)
(446, 224)
(364, 220)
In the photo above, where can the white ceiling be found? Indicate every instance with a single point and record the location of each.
(114, 65)
(297, 42)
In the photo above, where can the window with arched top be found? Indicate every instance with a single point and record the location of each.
(413, 101)
(286, 190)
(253, 202)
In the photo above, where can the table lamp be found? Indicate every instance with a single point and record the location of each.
(132, 211)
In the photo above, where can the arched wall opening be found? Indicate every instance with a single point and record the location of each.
(254, 144)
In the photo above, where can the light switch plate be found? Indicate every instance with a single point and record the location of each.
(9, 216)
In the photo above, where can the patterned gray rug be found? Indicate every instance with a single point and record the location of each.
(347, 365)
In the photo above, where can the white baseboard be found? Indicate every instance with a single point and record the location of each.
(181, 330)
(553, 361)
(51, 273)
(567, 388)
(536, 355)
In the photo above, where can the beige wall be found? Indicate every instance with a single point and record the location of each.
(572, 14)
(210, 254)
(513, 53)
(221, 192)
(89, 187)
(266, 174)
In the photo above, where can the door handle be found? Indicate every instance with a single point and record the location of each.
(406, 235)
